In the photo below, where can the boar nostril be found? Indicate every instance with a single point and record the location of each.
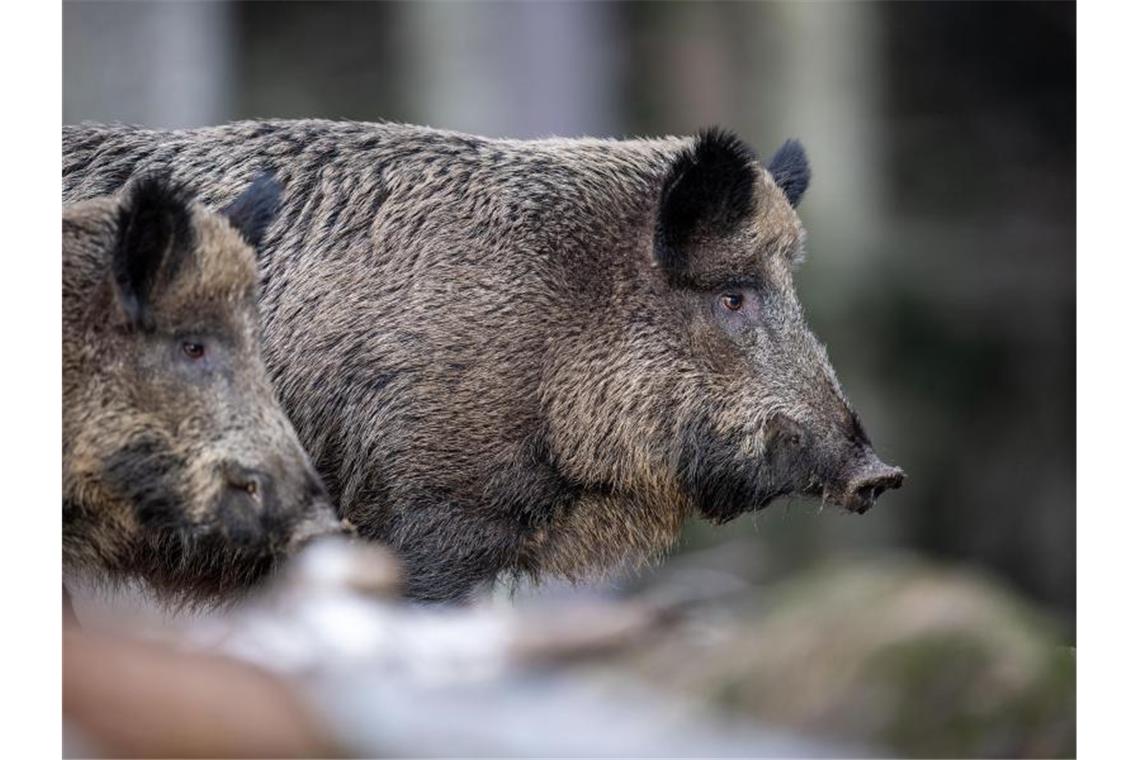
(248, 486)
(245, 480)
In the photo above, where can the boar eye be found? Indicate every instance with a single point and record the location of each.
(193, 350)
(732, 301)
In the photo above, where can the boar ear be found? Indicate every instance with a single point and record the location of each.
(252, 211)
(155, 236)
(790, 168)
(709, 187)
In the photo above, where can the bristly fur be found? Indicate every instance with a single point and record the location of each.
(511, 357)
(252, 211)
(790, 168)
(155, 237)
(710, 186)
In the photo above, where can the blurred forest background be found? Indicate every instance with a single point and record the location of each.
(941, 218)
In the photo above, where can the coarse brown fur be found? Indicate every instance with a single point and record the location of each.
(535, 357)
(179, 470)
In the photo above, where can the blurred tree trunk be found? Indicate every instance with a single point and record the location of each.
(163, 65)
(513, 69)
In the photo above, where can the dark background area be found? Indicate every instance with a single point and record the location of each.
(941, 219)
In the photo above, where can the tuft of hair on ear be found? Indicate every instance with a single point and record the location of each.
(252, 211)
(155, 238)
(789, 167)
(709, 186)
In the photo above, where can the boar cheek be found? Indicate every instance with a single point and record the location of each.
(145, 473)
(723, 482)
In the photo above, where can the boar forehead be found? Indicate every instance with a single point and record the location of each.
(233, 323)
(766, 247)
(225, 268)
(217, 292)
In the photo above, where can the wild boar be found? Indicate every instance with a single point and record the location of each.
(528, 357)
(179, 467)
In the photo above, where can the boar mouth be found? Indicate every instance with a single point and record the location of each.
(857, 494)
(267, 534)
(724, 484)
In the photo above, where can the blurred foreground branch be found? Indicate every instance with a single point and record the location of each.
(862, 658)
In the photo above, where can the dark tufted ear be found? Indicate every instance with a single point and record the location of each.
(790, 168)
(708, 189)
(252, 211)
(155, 237)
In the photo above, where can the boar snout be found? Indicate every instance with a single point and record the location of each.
(280, 505)
(250, 506)
(867, 483)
